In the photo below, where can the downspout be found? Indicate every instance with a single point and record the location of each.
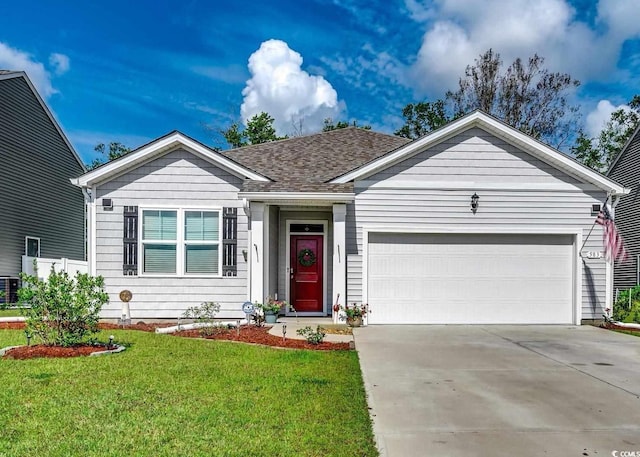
(87, 199)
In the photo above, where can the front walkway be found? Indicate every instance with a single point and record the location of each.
(293, 324)
(501, 390)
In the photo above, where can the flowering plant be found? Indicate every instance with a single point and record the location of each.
(272, 305)
(354, 311)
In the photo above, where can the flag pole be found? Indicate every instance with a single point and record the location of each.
(593, 225)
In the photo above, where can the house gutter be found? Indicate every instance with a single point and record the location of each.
(335, 197)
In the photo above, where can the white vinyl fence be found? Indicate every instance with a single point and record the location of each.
(43, 266)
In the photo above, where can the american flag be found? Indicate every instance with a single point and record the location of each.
(611, 239)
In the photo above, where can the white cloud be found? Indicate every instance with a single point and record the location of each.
(59, 63)
(458, 31)
(598, 118)
(14, 59)
(280, 87)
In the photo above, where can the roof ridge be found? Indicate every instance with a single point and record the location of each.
(310, 135)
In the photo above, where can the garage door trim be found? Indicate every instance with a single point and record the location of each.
(483, 230)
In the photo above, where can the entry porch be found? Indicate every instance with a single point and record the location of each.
(297, 253)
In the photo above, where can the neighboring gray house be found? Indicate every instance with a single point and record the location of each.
(625, 169)
(474, 223)
(41, 212)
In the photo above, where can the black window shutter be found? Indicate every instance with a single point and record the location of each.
(229, 241)
(130, 241)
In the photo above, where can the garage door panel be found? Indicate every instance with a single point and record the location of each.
(455, 278)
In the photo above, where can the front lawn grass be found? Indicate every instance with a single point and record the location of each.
(10, 312)
(170, 396)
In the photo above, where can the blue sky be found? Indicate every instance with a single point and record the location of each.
(132, 71)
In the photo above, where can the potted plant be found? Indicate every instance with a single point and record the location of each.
(353, 314)
(271, 309)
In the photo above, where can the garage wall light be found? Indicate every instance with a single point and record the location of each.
(474, 202)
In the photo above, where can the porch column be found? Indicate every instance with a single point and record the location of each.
(339, 256)
(256, 251)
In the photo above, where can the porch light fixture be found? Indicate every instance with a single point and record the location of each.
(244, 254)
(474, 202)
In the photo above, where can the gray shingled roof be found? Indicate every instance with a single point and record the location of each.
(307, 163)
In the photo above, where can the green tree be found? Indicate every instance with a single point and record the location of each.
(423, 117)
(525, 95)
(599, 152)
(329, 125)
(114, 151)
(259, 130)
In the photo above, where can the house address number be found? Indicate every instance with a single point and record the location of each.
(592, 254)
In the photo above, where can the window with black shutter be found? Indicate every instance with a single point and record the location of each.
(229, 241)
(130, 241)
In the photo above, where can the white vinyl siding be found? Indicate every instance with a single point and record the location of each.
(175, 181)
(407, 195)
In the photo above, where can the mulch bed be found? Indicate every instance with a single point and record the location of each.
(610, 326)
(11, 325)
(248, 334)
(139, 326)
(260, 335)
(40, 350)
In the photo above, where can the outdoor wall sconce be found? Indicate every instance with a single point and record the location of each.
(244, 254)
(474, 202)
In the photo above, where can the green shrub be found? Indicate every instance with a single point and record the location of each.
(62, 311)
(622, 311)
(204, 314)
(313, 337)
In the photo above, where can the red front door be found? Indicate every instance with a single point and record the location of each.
(306, 273)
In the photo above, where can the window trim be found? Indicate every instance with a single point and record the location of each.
(180, 242)
(26, 245)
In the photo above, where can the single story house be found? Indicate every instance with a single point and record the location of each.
(474, 223)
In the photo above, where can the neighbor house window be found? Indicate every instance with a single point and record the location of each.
(159, 241)
(201, 242)
(32, 246)
(182, 242)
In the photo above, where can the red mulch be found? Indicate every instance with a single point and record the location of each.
(103, 326)
(611, 326)
(248, 334)
(11, 325)
(40, 350)
(260, 335)
(139, 326)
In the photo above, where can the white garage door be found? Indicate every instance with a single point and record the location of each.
(470, 279)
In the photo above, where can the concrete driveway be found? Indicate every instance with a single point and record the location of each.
(502, 390)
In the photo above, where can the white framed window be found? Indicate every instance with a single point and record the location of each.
(181, 242)
(159, 241)
(31, 246)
